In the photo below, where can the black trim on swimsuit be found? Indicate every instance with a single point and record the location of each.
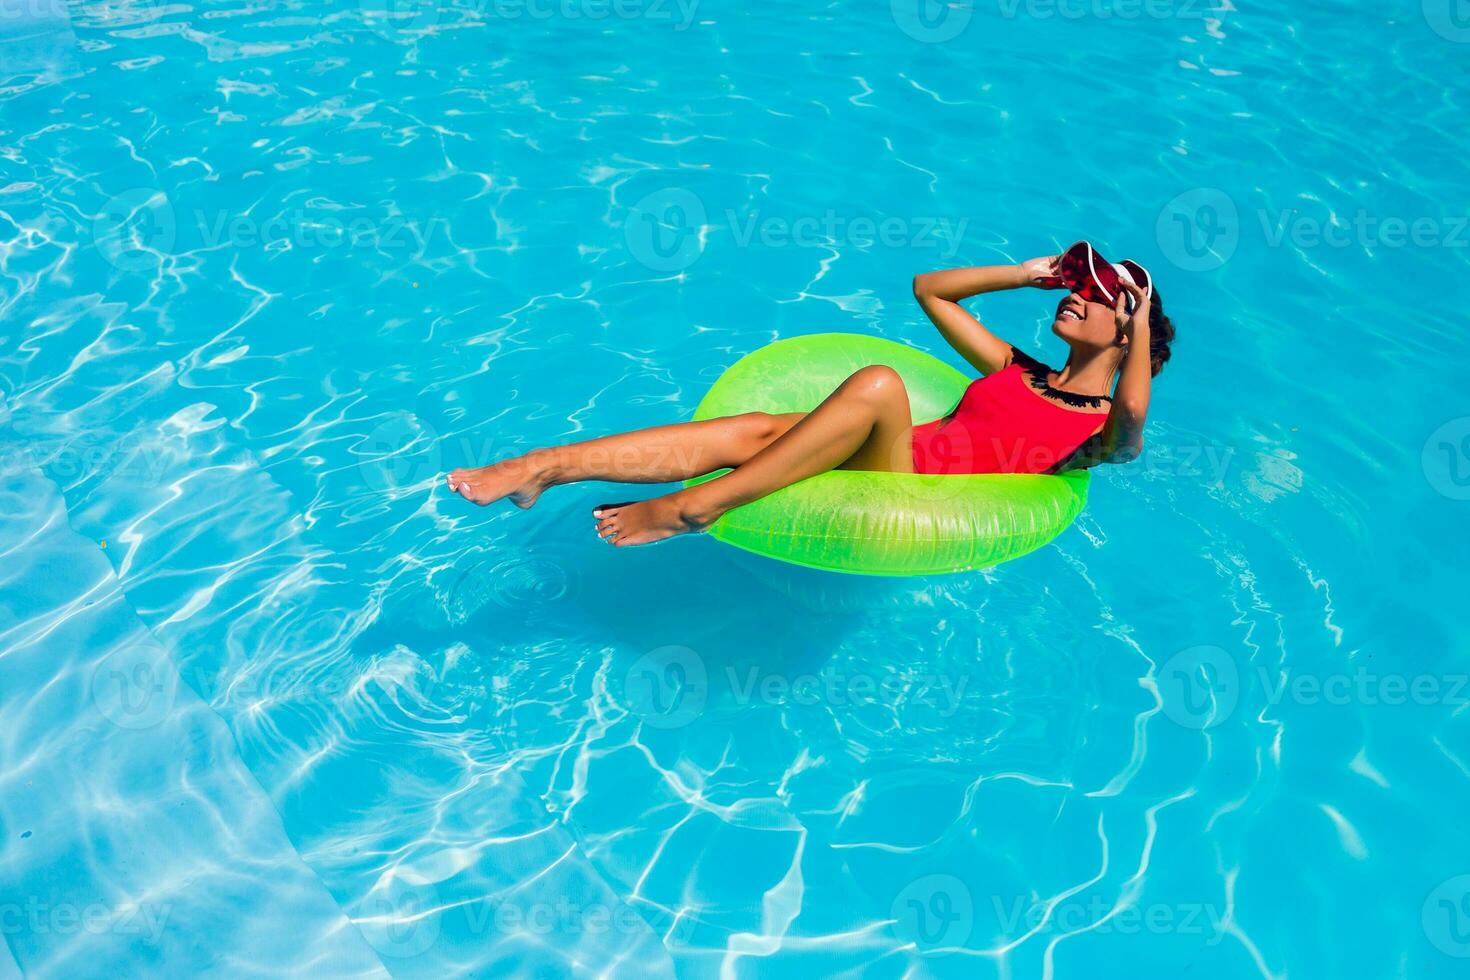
(1037, 374)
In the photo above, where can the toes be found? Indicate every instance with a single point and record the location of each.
(610, 526)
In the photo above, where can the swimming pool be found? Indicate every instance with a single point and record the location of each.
(273, 702)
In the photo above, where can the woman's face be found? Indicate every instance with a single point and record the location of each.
(1083, 323)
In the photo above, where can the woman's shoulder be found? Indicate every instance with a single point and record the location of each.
(1026, 362)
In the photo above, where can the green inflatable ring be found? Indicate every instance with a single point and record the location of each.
(881, 523)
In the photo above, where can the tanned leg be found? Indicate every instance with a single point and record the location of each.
(659, 455)
(864, 425)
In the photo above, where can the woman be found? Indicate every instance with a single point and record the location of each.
(1021, 417)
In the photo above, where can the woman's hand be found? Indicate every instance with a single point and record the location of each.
(1044, 272)
(1132, 325)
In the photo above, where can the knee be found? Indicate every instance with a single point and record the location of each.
(876, 381)
(758, 426)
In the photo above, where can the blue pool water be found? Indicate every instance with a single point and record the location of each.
(273, 703)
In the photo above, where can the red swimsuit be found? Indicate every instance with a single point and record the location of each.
(1004, 424)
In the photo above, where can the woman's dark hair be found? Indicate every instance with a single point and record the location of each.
(1160, 334)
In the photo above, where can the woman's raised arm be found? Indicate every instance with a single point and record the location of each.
(1121, 438)
(939, 294)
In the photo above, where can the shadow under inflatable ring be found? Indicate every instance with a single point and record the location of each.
(881, 523)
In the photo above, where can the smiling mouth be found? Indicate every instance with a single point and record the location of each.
(1068, 314)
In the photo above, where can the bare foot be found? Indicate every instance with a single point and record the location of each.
(647, 521)
(518, 479)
